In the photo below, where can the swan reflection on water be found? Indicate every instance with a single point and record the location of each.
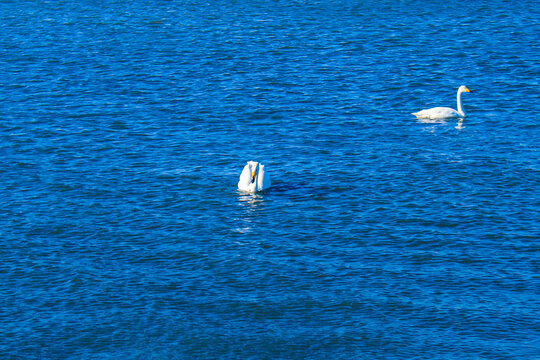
(458, 126)
(252, 201)
(431, 121)
(251, 205)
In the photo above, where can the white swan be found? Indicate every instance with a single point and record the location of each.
(444, 112)
(252, 180)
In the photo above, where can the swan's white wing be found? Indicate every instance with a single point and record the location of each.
(437, 113)
(248, 177)
(263, 181)
(245, 178)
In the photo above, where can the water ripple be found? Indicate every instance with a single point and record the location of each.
(125, 128)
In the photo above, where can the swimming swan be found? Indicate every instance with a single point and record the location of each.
(252, 180)
(444, 112)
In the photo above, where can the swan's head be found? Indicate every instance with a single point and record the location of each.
(463, 88)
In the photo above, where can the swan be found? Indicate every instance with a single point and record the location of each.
(444, 112)
(252, 180)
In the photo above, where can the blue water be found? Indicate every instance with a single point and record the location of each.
(125, 126)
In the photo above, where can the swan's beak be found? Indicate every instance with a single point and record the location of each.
(467, 90)
(253, 176)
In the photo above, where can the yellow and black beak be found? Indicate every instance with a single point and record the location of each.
(467, 90)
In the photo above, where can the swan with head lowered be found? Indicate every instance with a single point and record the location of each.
(253, 178)
(444, 112)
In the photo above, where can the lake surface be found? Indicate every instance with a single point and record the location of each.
(125, 127)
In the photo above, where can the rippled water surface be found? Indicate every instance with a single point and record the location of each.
(125, 126)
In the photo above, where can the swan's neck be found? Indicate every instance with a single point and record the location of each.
(459, 107)
(255, 179)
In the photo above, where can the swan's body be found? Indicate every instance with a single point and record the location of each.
(444, 112)
(253, 178)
